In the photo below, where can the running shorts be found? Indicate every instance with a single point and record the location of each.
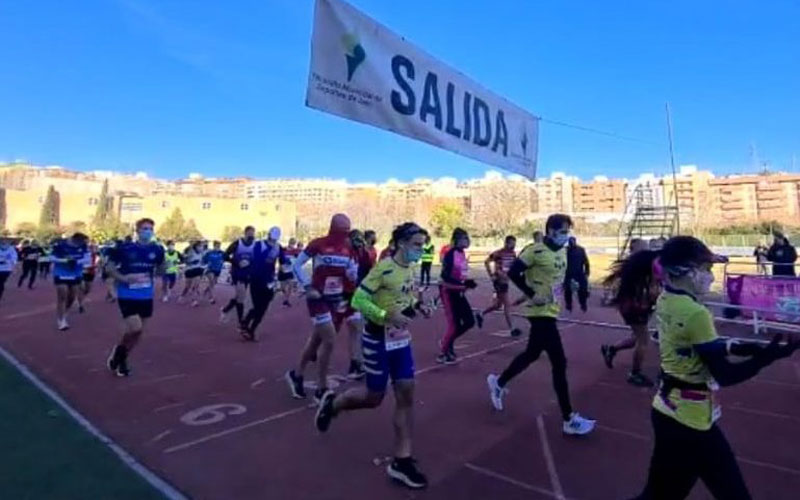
(283, 277)
(240, 276)
(169, 279)
(193, 273)
(500, 287)
(328, 311)
(88, 277)
(214, 272)
(635, 317)
(382, 365)
(136, 307)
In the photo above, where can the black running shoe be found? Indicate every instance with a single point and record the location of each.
(639, 380)
(325, 411)
(81, 309)
(405, 471)
(319, 394)
(113, 359)
(516, 332)
(479, 320)
(356, 371)
(608, 355)
(295, 385)
(286, 303)
(122, 365)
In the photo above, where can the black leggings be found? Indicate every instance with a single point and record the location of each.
(3, 277)
(29, 268)
(425, 273)
(544, 336)
(44, 269)
(459, 317)
(683, 455)
(262, 295)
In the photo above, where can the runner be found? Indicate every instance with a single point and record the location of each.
(453, 286)
(89, 264)
(214, 260)
(68, 274)
(239, 254)
(635, 292)
(285, 275)
(577, 276)
(29, 254)
(426, 263)
(386, 299)
(172, 260)
(539, 272)
(193, 272)
(497, 265)
(8, 260)
(538, 237)
(266, 255)
(689, 445)
(355, 321)
(108, 281)
(45, 260)
(371, 239)
(134, 266)
(334, 271)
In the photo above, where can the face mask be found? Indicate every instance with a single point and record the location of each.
(702, 281)
(412, 255)
(145, 235)
(171, 249)
(248, 239)
(560, 239)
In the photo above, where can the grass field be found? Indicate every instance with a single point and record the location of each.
(47, 455)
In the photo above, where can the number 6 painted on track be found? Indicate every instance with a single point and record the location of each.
(211, 414)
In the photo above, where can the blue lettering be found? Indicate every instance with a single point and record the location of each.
(501, 134)
(406, 108)
(430, 101)
(467, 115)
(451, 129)
(478, 109)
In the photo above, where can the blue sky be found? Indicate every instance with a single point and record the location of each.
(172, 87)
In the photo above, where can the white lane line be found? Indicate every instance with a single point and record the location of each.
(744, 460)
(167, 407)
(509, 480)
(166, 489)
(32, 312)
(257, 383)
(232, 430)
(555, 482)
(761, 413)
(157, 380)
(295, 411)
(160, 436)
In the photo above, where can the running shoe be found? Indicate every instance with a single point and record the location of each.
(195, 303)
(113, 358)
(356, 371)
(450, 358)
(405, 471)
(223, 316)
(319, 393)
(496, 392)
(639, 380)
(247, 334)
(212, 301)
(287, 304)
(608, 355)
(165, 299)
(578, 425)
(81, 309)
(325, 411)
(654, 336)
(516, 332)
(63, 325)
(122, 368)
(479, 320)
(295, 385)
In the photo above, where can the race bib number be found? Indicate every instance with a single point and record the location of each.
(396, 338)
(333, 286)
(139, 280)
(244, 263)
(286, 268)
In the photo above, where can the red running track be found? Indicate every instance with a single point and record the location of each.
(262, 444)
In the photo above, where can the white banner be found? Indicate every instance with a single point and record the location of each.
(362, 71)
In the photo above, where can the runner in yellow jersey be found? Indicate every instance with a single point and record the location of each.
(172, 260)
(539, 273)
(386, 299)
(689, 445)
(426, 262)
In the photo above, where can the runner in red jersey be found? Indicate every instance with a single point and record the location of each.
(371, 238)
(497, 265)
(334, 274)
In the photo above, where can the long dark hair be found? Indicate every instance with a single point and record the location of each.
(632, 278)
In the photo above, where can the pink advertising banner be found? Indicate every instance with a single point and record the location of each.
(780, 294)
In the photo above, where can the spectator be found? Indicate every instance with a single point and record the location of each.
(538, 237)
(577, 275)
(760, 253)
(782, 255)
(637, 245)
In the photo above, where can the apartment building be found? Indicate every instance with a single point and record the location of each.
(555, 193)
(601, 195)
(751, 198)
(309, 191)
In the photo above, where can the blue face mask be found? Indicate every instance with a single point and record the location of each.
(145, 235)
(413, 255)
(560, 239)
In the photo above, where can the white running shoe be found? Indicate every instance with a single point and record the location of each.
(578, 425)
(496, 392)
(165, 299)
(223, 317)
(195, 303)
(63, 325)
